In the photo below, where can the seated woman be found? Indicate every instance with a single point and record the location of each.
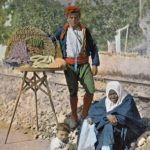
(116, 118)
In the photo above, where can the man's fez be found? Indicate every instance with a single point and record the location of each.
(72, 9)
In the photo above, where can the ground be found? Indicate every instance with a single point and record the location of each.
(23, 133)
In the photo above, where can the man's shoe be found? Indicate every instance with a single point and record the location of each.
(80, 119)
(73, 124)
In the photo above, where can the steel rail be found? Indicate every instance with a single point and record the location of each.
(144, 98)
(97, 78)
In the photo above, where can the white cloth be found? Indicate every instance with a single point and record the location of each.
(105, 148)
(116, 86)
(57, 144)
(87, 137)
(73, 46)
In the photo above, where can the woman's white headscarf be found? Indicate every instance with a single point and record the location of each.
(116, 86)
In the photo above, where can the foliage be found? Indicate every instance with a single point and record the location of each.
(145, 6)
(104, 19)
(43, 14)
(3, 17)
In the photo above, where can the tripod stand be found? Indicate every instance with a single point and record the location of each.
(35, 83)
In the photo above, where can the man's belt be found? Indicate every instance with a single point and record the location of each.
(80, 60)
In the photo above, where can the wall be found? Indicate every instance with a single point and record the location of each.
(125, 64)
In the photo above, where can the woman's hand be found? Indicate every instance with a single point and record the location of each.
(66, 147)
(90, 121)
(112, 119)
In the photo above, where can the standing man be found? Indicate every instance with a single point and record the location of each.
(77, 45)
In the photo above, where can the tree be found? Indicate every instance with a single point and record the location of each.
(3, 17)
(104, 19)
(45, 15)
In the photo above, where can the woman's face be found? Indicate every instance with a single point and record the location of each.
(113, 96)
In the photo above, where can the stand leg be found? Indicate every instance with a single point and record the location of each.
(49, 95)
(35, 94)
(17, 100)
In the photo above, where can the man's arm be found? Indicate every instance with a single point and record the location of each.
(92, 47)
(55, 38)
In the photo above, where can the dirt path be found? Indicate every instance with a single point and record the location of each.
(19, 141)
(25, 115)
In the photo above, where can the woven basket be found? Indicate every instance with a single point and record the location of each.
(31, 36)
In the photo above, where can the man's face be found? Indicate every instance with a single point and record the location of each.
(113, 96)
(73, 19)
(62, 135)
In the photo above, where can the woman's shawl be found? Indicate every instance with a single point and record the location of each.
(87, 137)
(127, 116)
(122, 93)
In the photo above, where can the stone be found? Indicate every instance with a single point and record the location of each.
(40, 136)
(148, 139)
(141, 141)
(35, 136)
(133, 145)
(25, 132)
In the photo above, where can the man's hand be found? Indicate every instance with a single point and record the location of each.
(58, 63)
(49, 32)
(112, 119)
(94, 70)
(90, 121)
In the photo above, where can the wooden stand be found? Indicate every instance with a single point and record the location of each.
(34, 83)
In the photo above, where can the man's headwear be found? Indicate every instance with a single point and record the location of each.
(72, 9)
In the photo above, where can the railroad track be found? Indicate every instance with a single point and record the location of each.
(10, 75)
(144, 98)
(96, 78)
